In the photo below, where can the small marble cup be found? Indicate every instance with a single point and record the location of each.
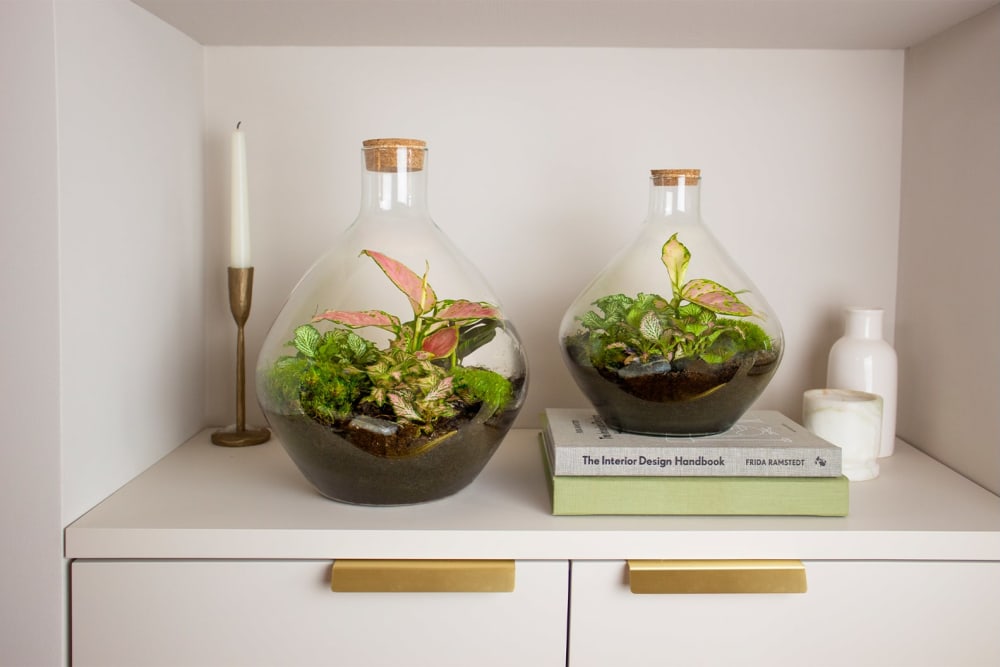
(850, 419)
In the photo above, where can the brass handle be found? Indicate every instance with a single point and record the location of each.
(422, 576)
(717, 576)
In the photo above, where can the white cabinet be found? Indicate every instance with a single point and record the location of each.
(280, 613)
(859, 613)
(215, 556)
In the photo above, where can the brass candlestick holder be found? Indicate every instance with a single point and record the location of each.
(240, 295)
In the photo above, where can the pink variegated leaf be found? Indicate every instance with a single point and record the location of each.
(441, 343)
(713, 296)
(416, 289)
(675, 257)
(363, 318)
(441, 390)
(403, 408)
(468, 310)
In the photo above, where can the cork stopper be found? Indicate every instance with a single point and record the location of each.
(673, 176)
(382, 154)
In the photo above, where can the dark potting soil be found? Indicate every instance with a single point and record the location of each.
(357, 464)
(682, 399)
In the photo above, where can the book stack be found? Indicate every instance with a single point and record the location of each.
(766, 464)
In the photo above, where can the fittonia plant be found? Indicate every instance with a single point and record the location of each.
(418, 378)
(702, 319)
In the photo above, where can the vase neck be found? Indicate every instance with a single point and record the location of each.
(675, 194)
(394, 177)
(864, 323)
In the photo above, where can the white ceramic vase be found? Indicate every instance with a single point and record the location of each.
(864, 361)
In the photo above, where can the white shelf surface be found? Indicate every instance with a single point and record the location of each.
(820, 24)
(203, 501)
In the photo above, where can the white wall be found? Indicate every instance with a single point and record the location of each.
(100, 280)
(949, 273)
(539, 168)
(130, 199)
(31, 589)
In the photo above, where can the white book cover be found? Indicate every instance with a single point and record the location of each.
(763, 443)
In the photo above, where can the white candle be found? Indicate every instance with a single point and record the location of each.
(239, 232)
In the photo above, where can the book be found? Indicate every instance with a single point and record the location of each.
(706, 496)
(763, 443)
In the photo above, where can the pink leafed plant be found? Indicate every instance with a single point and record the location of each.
(434, 329)
(418, 378)
(701, 319)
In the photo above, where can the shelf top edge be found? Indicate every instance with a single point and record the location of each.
(203, 501)
(585, 545)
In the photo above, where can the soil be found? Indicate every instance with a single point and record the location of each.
(354, 462)
(689, 398)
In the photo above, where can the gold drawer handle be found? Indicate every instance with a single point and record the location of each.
(717, 576)
(422, 576)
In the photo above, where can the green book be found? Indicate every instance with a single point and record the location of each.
(757, 496)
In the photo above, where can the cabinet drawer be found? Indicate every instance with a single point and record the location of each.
(854, 612)
(282, 613)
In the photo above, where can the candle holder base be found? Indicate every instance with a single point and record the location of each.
(231, 437)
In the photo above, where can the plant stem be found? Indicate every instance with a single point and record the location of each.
(415, 344)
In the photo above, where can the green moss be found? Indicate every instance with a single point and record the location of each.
(483, 385)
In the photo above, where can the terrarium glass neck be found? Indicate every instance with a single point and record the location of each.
(400, 190)
(680, 200)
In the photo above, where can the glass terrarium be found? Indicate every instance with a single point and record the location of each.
(391, 375)
(671, 338)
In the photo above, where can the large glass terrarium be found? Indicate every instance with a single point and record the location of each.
(392, 374)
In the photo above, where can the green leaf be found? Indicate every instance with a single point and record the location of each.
(675, 257)
(724, 342)
(474, 335)
(357, 344)
(592, 320)
(307, 340)
(650, 327)
(614, 304)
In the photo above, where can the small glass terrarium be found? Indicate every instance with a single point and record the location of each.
(671, 338)
(391, 375)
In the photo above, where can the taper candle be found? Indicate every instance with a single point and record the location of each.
(239, 212)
